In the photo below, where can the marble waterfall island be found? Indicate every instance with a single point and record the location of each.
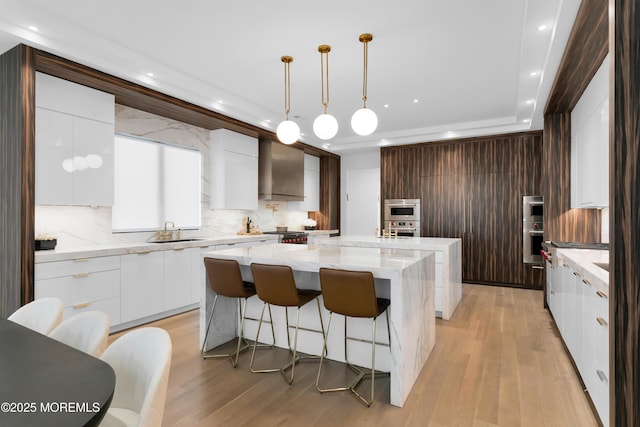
(448, 262)
(406, 277)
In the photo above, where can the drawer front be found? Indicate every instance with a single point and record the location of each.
(110, 307)
(81, 289)
(48, 270)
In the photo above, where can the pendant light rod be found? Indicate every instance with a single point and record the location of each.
(287, 84)
(324, 50)
(365, 38)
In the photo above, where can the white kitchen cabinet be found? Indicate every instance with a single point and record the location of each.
(311, 186)
(141, 278)
(583, 320)
(74, 144)
(177, 278)
(234, 170)
(82, 285)
(590, 144)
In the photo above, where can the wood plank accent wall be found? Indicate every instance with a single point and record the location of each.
(624, 190)
(17, 154)
(472, 189)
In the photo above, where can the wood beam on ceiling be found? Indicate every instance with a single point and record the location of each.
(142, 98)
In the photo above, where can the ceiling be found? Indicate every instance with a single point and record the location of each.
(437, 69)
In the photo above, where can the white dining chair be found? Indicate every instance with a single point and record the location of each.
(88, 332)
(41, 315)
(141, 360)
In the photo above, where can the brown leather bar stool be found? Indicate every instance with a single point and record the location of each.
(276, 285)
(225, 280)
(353, 294)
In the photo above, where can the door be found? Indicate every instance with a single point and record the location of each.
(362, 202)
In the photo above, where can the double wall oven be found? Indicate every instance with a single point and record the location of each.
(532, 229)
(402, 216)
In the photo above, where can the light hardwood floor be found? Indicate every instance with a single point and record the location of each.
(498, 362)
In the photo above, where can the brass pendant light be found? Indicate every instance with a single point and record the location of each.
(325, 126)
(364, 121)
(287, 131)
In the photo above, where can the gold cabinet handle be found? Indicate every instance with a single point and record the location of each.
(143, 253)
(575, 273)
(586, 282)
(81, 275)
(601, 294)
(602, 321)
(83, 305)
(179, 249)
(81, 260)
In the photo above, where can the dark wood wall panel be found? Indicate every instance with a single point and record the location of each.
(16, 178)
(561, 223)
(328, 218)
(586, 49)
(472, 189)
(624, 190)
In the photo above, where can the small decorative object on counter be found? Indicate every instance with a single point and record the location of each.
(45, 242)
(248, 225)
(309, 224)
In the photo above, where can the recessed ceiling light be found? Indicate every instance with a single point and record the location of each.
(325, 146)
(526, 121)
(533, 73)
(33, 28)
(268, 121)
(415, 101)
(530, 101)
(542, 27)
(301, 134)
(150, 74)
(221, 102)
(386, 105)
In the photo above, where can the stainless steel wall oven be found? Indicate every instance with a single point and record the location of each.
(532, 229)
(402, 216)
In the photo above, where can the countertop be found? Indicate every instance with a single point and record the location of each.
(90, 251)
(61, 254)
(420, 243)
(383, 263)
(583, 262)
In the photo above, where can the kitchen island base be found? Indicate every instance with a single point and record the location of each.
(406, 277)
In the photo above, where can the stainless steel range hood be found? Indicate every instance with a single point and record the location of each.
(280, 172)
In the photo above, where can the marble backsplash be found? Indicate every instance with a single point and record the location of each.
(76, 226)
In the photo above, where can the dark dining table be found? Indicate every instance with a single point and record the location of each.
(46, 383)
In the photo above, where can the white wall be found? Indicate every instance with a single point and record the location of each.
(76, 226)
(365, 159)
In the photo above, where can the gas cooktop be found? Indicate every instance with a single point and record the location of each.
(579, 245)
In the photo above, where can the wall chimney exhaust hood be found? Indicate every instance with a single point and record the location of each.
(280, 172)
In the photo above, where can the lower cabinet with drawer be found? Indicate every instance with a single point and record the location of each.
(82, 285)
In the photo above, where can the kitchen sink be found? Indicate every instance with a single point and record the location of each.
(174, 240)
(603, 265)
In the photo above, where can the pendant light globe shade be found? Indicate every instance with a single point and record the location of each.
(288, 132)
(325, 126)
(364, 121)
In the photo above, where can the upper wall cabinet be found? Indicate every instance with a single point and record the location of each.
(234, 170)
(74, 143)
(311, 186)
(590, 144)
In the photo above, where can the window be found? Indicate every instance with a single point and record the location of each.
(154, 183)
